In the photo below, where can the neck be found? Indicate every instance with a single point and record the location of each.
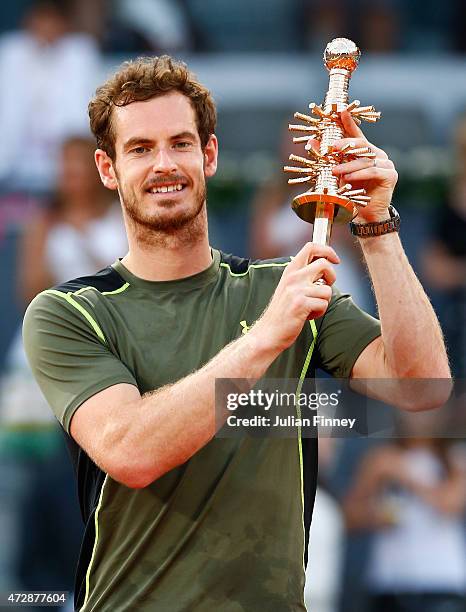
(168, 256)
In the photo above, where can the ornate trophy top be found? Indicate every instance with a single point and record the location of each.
(342, 53)
(328, 199)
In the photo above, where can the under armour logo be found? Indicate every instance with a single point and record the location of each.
(245, 327)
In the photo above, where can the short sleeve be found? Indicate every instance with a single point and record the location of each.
(343, 334)
(69, 360)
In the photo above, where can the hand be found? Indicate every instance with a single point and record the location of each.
(378, 180)
(297, 297)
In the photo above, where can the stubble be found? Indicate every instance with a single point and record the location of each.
(185, 227)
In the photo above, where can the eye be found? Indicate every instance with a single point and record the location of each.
(182, 144)
(139, 150)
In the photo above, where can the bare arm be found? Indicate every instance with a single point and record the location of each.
(412, 339)
(411, 345)
(136, 440)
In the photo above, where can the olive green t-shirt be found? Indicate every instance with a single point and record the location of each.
(227, 530)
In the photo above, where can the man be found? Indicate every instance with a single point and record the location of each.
(177, 519)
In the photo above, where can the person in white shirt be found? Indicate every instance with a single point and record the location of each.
(411, 494)
(47, 74)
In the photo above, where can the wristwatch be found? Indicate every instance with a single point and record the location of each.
(365, 230)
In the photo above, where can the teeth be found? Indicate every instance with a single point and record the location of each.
(167, 188)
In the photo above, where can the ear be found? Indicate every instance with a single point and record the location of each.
(106, 170)
(210, 156)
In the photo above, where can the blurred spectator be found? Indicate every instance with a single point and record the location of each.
(137, 26)
(411, 493)
(445, 258)
(79, 233)
(379, 26)
(385, 26)
(48, 74)
(373, 24)
(324, 20)
(163, 23)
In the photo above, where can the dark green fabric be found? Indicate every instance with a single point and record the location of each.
(225, 530)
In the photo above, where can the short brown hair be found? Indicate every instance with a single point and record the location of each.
(143, 79)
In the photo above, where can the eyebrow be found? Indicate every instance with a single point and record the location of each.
(140, 140)
(185, 134)
(136, 140)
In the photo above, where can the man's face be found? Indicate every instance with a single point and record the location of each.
(159, 167)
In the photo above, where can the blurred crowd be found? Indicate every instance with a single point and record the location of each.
(128, 26)
(389, 528)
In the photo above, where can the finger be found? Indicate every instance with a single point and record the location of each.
(349, 125)
(323, 292)
(321, 268)
(356, 143)
(310, 251)
(360, 164)
(315, 270)
(316, 307)
(352, 142)
(372, 174)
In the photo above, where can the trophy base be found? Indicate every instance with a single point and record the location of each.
(305, 204)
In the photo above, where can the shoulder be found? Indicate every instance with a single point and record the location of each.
(240, 266)
(68, 302)
(104, 281)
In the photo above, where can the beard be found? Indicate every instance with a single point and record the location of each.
(166, 226)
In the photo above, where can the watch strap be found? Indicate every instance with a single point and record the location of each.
(378, 228)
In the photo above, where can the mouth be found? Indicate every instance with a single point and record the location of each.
(166, 188)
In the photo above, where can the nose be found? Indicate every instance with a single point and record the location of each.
(163, 162)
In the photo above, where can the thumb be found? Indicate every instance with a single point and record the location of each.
(311, 251)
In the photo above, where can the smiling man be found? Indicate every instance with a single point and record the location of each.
(177, 519)
(181, 172)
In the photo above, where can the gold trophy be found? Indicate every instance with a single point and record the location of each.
(325, 202)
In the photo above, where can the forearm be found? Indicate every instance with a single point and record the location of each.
(169, 425)
(412, 339)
